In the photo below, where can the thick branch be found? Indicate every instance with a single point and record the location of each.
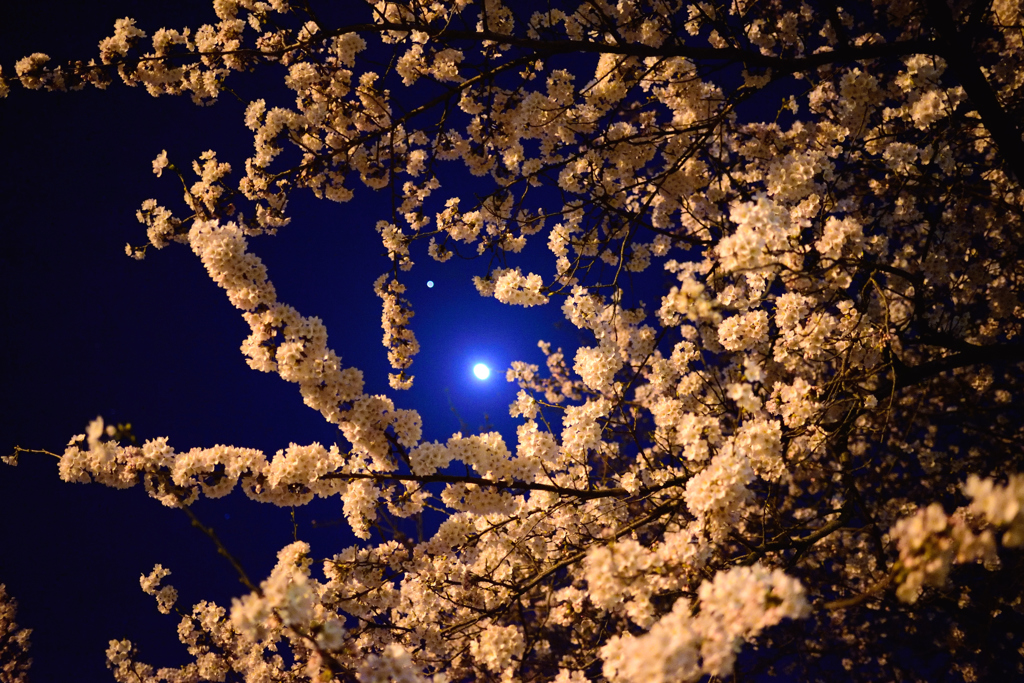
(870, 592)
(480, 481)
(958, 53)
(970, 355)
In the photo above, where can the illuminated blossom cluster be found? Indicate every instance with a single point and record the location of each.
(683, 647)
(930, 542)
(497, 647)
(165, 596)
(399, 339)
(1002, 506)
(718, 493)
(597, 366)
(512, 287)
(14, 642)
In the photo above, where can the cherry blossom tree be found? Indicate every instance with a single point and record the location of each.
(799, 460)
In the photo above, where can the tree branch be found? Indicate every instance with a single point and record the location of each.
(959, 54)
(480, 481)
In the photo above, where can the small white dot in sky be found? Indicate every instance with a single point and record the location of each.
(481, 371)
(430, 283)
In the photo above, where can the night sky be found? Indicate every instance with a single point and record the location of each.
(89, 331)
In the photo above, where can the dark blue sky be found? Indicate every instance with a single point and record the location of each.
(88, 331)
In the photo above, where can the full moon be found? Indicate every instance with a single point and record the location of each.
(481, 371)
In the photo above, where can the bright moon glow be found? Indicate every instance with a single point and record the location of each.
(430, 283)
(481, 371)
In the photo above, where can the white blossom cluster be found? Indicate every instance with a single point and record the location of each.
(14, 641)
(497, 646)
(399, 339)
(165, 596)
(512, 287)
(930, 542)
(736, 605)
(1001, 506)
